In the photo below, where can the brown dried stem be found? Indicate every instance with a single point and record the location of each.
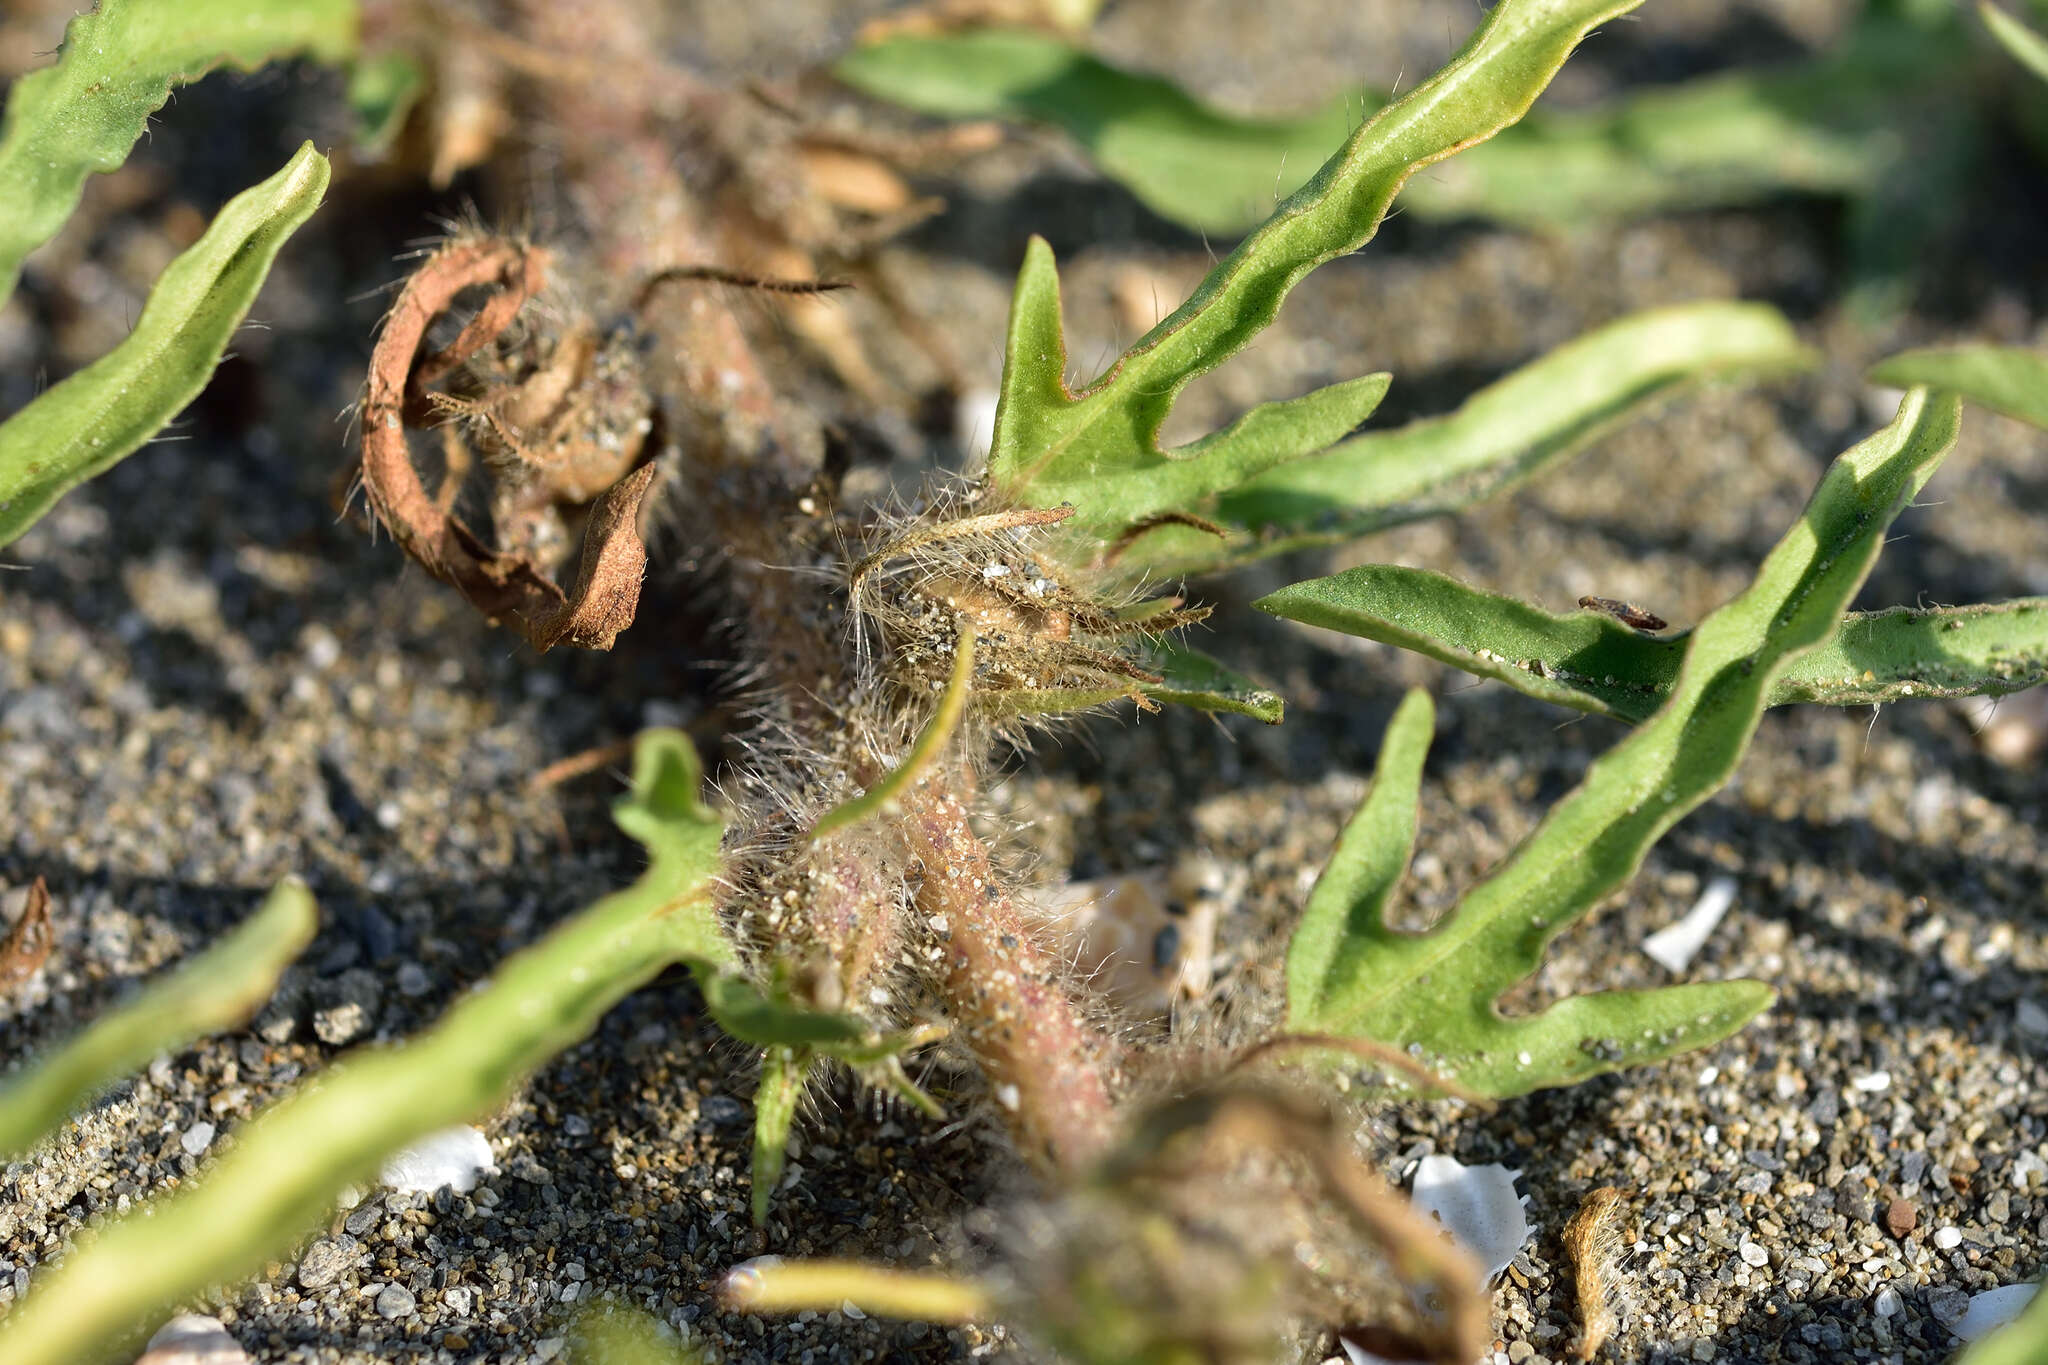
(1425, 1259)
(606, 591)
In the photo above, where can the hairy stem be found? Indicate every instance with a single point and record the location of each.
(1049, 1068)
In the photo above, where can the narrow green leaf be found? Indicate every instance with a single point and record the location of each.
(2028, 48)
(1437, 991)
(784, 1073)
(1101, 446)
(216, 990)
(753, 1015)
(2023, 1341)
(1188, 677)
(98, 416)
(1201, 168)
(931, 742)
(1589, 661)
(279, 1176)
(117, 67)
(1346, 915)
(1523, 424)
(1818, 128)
(2005, 379)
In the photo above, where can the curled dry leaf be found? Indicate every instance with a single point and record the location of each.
(27, 945)
(506, 585)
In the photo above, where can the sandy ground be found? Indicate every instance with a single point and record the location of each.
(206, 682)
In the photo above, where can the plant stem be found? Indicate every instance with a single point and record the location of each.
(1049, 1068)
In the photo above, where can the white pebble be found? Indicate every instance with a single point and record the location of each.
(193, 1339)
(1948, 1239)
(1872, 1083)
(1478, 1205)
(456, 1157)
(1752, 1254)
(1675, 945)
(1887, 1302)
(197, 1138)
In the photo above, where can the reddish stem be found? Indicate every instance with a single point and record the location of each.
(1050, 1069)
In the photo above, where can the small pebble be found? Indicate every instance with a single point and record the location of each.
(1887, 1302)
(413, 981)
(395, 1301)
(325, 1261)
(197, 1138)
(1901, 1216)
(1873, 1082)
(193, 1339)
(722, 1111)
(341, 1025)
(454, 1157)
(1948, 1305)
(1948, 1239)
(1752, 1254)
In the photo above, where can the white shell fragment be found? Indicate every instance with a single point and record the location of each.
(456, 1157)
(1993, 1309)
(1478, 1205)
(1675, 945)
(193, 1339)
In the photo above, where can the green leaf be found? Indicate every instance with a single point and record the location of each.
(382, 91)
(1346, 914)
(1589, 661)
(279, 1176)
(1188, 677)
(1204, 169)
(2005, 379)
(610, 1334)
(98, 416)
(1530, 421)
(2024, 1341)
(1099, 448)
(1884, 118)
(117, 67)
(216, 990)
(2028, 48)
(1817, 128)
(784, 1073)
(931, 742)
(1436, 993)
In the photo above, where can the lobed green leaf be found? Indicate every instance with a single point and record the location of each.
(1589, 661)
(216, 990)
(1521, 425)
(87, 423)
(1346, 913)
(280, 1175)
(1099, 448)
(116, 68)
(1436, 993)
(2006, 379)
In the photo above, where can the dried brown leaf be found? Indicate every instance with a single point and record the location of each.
(27, 945)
